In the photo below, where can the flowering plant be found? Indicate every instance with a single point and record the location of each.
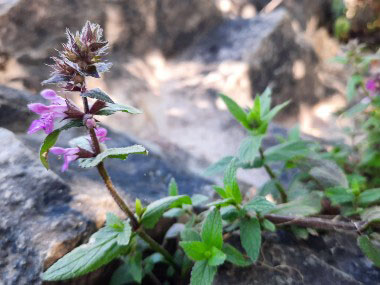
(203, 227)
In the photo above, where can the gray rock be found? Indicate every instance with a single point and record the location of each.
(328, 259)
(38, 224)
(169, 25)
(275, 54)
(14, 114)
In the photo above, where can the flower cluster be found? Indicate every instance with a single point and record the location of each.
(81, 57)
(373, 85)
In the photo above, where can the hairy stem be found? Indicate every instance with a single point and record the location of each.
(120, 201)
(280, 188)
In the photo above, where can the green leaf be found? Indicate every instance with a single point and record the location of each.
(48, 143)
(254, 116)
(120, 153)
(219, 166)
(196, 250)
(352, 84)
(155, 210)
(98, 94)
(250, 236)
(235, 256)
(358, 108)
(202, 273)
(199, 199)
(222, 193)
(272, 113)
(329, 175)
(259, 205)
(174, 213)
(222, 203)
(369, 249)
(371, 215)
(268, 225)
(339, 195)
(304, 206)
(249, 149)
(236, 110)
(265, 101)
(286, 151)
(212, 229)
(123, 229)
(229, 213)
(370, 196)
(139, 208)
(111, 108)
(217, 257)
(102, 248)
(230, 183)
(190, 235)
(113, 221)
(173, 188)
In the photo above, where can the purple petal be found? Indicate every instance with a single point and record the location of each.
(371, 85)
(35, 126)
(67, 160)
(49, 94)
(38, 108)
(58, 150)
(48, 121)
(101, 132)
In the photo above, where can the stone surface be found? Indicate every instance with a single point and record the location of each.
(328, 259)
(274, 53)
(14, 114)
(169, 25)
(38, 224)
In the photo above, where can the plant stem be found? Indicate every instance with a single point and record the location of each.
(280, 188)
(122, 204)
(314, 222)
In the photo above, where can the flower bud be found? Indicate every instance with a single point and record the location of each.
(89, 121)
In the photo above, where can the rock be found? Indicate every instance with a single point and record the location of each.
(271, 51)
(14, 114)
(31, 31)
(169, 25)
(38, 224)
(332, 258)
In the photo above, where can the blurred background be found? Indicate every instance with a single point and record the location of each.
(171, 59)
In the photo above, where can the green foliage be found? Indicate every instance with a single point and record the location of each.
(155, 210)
(369, 249)
(120, 153)
(111, 108)
(173, 188)
(202, 273)
(250, 236)
(98, 94)
(104, 246)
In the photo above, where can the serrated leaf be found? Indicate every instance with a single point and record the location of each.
(219, 166)
(259, 205)
(230, 183)
(98, 94)
(250, 236)
(339, 195)
(202, 273)
(112, 108)
(304, 206)
(249, 149)
(190, 235)
(102, 248)
(120, 153)
(222, 193)
(371, 251)
(155, 210)
(173, 188)
(329, 176)
(286, 151)
(235, 110)
(235, 256)
(196, 250)
(199, 199)
(369, 196)
(272, 113)
(217, 257)
(371, 215)
(212, 229)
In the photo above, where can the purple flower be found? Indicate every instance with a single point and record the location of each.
(49, 113)
(101, 133)
(69, 155)
(373, 85)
